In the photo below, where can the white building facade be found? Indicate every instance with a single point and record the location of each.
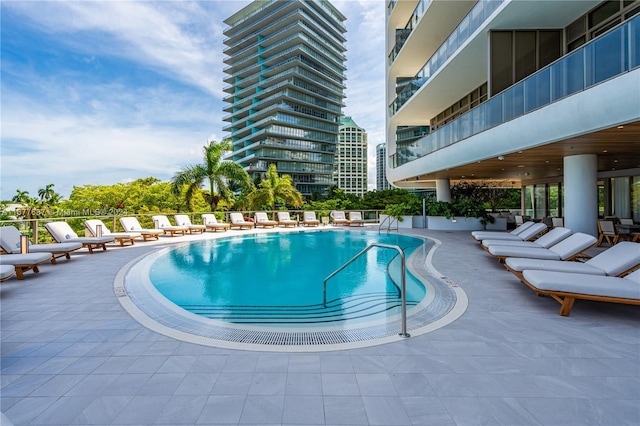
(351, 158)
(541, 95)
(381, 167)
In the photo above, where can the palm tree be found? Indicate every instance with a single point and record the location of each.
(21, 197)
(275, 188)
(48, 195)
(215, 170)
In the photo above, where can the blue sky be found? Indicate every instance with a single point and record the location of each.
(100, 92)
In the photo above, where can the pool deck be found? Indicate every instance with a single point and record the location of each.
(72, 355)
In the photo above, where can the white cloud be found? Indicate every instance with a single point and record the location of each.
(77, 127)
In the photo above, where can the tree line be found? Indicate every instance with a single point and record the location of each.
(214, 185)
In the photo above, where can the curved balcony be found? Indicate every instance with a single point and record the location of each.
(469, 24)
(612, 54)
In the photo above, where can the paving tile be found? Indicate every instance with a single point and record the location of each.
(261, 409)
(24, 385)
(162, 384)
(273, 363)
(385, 410)
(426, 410)
(27, 409)
(268, 384)
(222, 409)
(197, 384)
(336, 364)
(177, 364)
(63, 411)
(340, 384)
(58, 385)
(102, 410)
(182, 410)
(304, 364)
(232, 384)
(375, 384)
(301, 410)
(141, 410)
(304, 384)
(344, 410)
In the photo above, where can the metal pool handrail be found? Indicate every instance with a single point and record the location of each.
(403, 285)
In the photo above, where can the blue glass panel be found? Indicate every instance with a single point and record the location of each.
(605, 57)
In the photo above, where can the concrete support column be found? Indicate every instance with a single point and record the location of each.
(581, 193)
(443, 190)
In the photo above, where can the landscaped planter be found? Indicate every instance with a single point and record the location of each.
(441, 223)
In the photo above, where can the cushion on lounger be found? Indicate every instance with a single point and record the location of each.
(617, 259)
(573, 245)
(628, 287)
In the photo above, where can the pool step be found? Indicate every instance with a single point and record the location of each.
(347, 308)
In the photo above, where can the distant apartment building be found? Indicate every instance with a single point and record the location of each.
(541, 95)
(285, 89)
(381, 163)
(351, 159)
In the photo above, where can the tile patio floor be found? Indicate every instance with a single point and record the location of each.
(72, 355)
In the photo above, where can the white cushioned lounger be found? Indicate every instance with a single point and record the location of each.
(62, 233)
(91, 226)
(482, 235)
(525, 235)
(6, 272)
(10, 242)
(547, 240)
(131, 224)
(567, 287)
(614, 261)
(24, 262)
(568, 248)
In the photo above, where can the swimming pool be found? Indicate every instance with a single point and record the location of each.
(434, 301)
(278, 278)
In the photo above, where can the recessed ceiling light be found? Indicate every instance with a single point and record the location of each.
(604, 150)
(463, 177)
(620, 127)
(615, 161)
(521, 165)
(519, 152)
(547, 161)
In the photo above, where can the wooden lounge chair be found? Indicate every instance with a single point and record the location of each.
(567, 249)
(566, 287)
(162, 222)
(183, 220)
(6, 272)
(62, 233)
(25, 262)
(212, 223)
(309, 219)
(10, 243)
(91, 227)
(615, 261)
(284, 219)
(263, 220)
(484, 235)
(339, 218)
(355, 218)
(607, 231)
(131, 224)
(237, 221)
(547, 240)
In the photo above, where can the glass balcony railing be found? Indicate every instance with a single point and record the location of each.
(610, 55)
(403, 34)
(469, 24)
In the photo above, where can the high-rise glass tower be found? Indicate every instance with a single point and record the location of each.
(351, 158)
(381, 163)
(285, 83)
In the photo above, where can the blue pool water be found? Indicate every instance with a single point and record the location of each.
(278, 278)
